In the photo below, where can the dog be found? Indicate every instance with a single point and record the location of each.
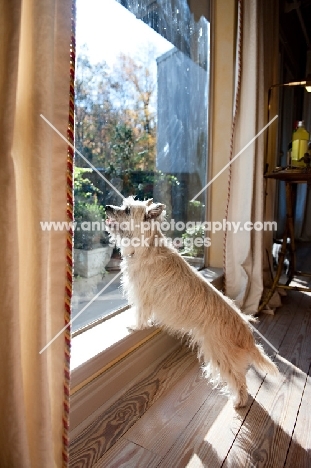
(165, 290)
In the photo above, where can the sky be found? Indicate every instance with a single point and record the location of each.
(108, 29)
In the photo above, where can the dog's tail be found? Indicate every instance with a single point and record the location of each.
(262, 362)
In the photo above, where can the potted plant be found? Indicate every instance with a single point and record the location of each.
(115, 260)
(191, 252)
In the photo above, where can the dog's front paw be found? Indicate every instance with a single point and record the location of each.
(141, 325)
(132, 328)
(138, 326)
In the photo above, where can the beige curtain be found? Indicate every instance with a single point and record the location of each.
(244, 259)
(34, 79)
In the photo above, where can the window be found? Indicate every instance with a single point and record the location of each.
(142, 87)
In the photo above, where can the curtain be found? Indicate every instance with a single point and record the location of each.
(34, 79)
(244, 252)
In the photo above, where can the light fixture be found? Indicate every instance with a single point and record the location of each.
(306, 83)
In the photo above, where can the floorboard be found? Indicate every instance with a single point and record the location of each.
(212, 441)
(159, 428)
(107, 429)
(299, 452)
(265, 435)
(125, 454)
(187, 423)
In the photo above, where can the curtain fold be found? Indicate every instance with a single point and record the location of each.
(34, 80)
(244, 261)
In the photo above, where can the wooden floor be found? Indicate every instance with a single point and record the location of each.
(191, 424)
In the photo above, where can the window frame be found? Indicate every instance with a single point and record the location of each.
(222, 55)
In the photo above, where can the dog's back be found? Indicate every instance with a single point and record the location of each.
(163, 288)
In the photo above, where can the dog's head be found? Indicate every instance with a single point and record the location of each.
(134, 219)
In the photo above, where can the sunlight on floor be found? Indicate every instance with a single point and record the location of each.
(97, 339)
(195, 462)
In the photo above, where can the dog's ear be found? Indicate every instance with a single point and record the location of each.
(154, 210)
(149, 201)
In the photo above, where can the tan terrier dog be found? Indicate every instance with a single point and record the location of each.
(166, 290)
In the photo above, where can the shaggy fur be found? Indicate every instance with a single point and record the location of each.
(164, 289)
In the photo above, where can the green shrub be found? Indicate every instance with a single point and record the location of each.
(86, 212)
(189, 237)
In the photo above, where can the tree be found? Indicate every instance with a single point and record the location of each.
(135, 91)
(115, 112)
(95, 115)
(116, 120)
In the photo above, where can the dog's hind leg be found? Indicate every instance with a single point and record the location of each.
(238, 387)
(231, 372)
(235, 375)
(236, 383)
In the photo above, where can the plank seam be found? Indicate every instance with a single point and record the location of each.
(250, 407)
(190, 421)
(242, 423)
(273, 358)
(303, 391)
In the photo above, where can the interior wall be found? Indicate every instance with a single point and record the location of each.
(295, 104)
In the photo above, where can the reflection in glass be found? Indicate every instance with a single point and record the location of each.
(141, 120)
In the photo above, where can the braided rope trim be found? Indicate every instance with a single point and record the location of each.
(235, 113)
(69, 247)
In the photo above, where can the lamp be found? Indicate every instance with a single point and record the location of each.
(306, 84)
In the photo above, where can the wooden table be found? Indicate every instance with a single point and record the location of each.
(290, 177)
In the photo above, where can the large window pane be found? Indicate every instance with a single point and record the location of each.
(141, 120)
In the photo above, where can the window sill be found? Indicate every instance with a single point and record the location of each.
(109, 340)
(98, 338)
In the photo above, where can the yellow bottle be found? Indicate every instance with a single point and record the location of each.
(299, 145)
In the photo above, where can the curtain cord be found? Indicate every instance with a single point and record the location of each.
(69, 250)
(235, 112)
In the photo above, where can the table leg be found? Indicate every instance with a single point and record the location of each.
(291, 231)
(279, 270)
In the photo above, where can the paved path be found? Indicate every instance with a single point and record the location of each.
(85, 289)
